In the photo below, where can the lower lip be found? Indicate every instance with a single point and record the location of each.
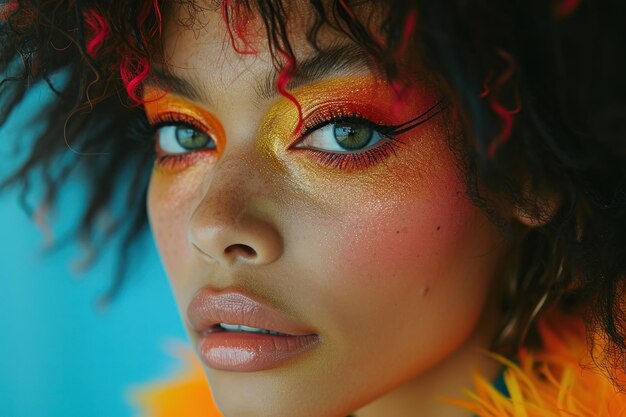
(249, 352)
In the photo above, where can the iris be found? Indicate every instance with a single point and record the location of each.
(352, 136)
(190, 138)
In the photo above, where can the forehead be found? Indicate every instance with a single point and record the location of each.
(299, 27)
(208, 45)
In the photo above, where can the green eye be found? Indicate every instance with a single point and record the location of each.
(178, 139)
(352, 136)
(342, 137)
(191, 139)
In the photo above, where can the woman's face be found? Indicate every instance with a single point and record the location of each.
(359, 236)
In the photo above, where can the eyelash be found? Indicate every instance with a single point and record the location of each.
(354, 160)
(173, 161)
(350, 161)
(373, 155)
(339, 160)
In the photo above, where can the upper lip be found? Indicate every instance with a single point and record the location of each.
(209, 308)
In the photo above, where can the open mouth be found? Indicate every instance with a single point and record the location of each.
(240, 333)
(234, 347)
(242, 328)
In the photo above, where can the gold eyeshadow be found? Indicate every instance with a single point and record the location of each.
(368, 97)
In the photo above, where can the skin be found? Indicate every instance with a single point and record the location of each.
(392, 264)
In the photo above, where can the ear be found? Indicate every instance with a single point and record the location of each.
(546, 205)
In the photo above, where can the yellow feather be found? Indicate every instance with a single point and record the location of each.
(553, 382)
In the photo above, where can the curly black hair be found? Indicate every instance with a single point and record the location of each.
(539, 86)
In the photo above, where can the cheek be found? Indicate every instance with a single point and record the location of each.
(422, 235)
(431, 244)
(402, 259)
(170, 203)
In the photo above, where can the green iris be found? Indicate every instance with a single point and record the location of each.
(192, 139)
(352, 136)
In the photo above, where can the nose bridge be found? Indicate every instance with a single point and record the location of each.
(237, 182)
(225, 197)
(229, 223)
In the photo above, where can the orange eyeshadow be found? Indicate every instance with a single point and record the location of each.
(366, 96)
(163, 103)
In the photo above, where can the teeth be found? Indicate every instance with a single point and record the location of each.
(242, 328)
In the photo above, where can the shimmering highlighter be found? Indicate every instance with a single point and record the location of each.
(363, 99)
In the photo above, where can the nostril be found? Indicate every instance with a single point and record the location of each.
(242, 250)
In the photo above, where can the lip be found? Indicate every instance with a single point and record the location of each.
(245, 351)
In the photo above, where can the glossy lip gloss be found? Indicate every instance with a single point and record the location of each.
(244, 349)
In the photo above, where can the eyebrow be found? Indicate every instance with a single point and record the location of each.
(340, 59)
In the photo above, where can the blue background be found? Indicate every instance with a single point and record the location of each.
(60, 354)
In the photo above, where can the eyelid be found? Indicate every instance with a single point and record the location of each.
(169, 106)
(346, 112)
(309, 141)
(354, 118)
(172, 118)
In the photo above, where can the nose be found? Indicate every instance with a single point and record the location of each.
(230, 225)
